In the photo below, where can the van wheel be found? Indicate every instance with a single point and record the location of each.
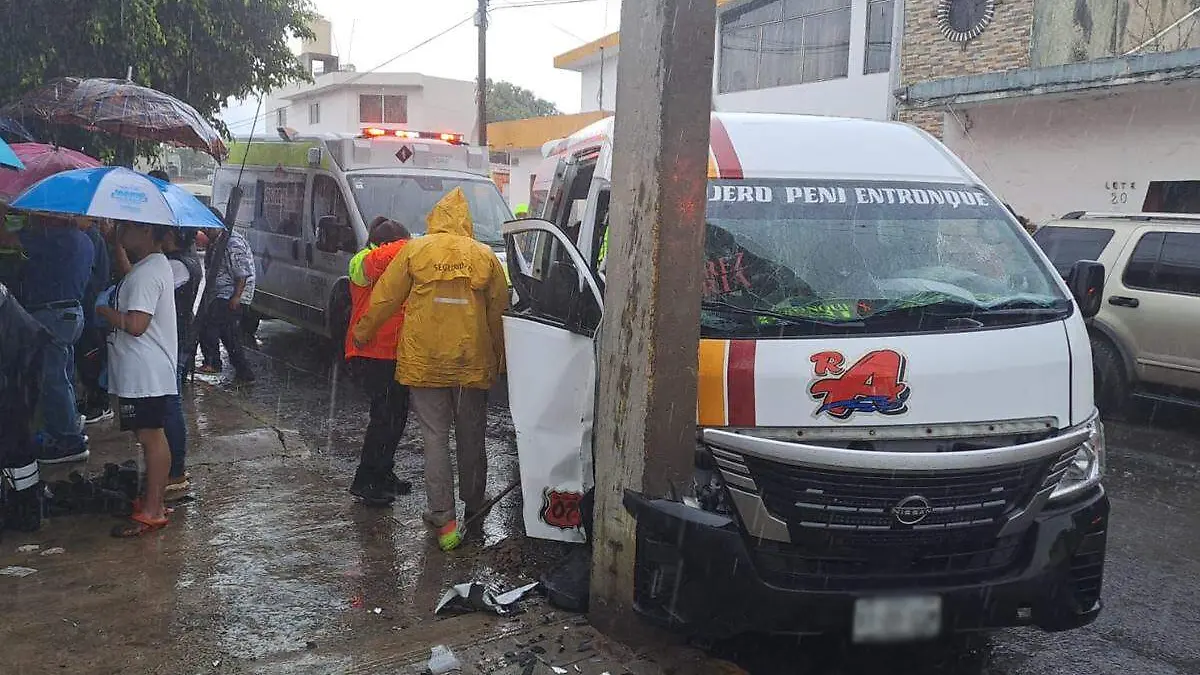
(1111, 384)
(339, 320)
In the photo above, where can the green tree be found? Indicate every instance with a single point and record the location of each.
(506, 101)
(200, 51)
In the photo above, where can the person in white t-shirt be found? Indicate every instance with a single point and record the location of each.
(143, 353)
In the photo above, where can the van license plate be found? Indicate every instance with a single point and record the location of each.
(897, 619)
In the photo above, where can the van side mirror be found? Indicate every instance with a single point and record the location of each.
(1086, 281)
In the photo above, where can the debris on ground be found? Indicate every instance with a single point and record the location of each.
(57, 550)
(15, 571)
(475, 597)
(442, 660)
(28, 548)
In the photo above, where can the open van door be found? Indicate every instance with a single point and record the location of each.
(549, 339)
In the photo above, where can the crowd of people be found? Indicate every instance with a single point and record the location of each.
(116, 301)
(115, 304)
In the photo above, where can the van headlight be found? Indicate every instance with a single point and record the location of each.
(1086, 468)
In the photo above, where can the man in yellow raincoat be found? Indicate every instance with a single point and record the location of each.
(450, 352)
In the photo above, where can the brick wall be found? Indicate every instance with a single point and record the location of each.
(928, 55)
(929, 120)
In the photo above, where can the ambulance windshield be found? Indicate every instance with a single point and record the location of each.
(788, 258)
(408, 199)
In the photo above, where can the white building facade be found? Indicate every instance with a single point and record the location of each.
(345, 102)
(824, 57)
(1092, 107)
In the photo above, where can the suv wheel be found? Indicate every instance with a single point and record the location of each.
(1111, 384)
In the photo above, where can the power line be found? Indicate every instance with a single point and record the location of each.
(542, 3)
(360, 75)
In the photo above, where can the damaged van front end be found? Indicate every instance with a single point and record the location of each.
(886, 546)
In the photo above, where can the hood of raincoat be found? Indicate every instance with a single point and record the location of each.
(451, 215)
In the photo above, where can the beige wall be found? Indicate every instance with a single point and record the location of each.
(1070, 32)
(1048, 157)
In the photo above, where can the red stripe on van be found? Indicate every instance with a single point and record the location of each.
(741, 383)
(727, 160)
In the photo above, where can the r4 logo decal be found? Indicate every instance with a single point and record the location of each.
(873, 384)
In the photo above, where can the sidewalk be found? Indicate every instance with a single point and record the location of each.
(274, 569)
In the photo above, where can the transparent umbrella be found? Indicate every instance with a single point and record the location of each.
(122, 108)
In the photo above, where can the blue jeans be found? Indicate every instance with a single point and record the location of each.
(176, 430)
(60, 417)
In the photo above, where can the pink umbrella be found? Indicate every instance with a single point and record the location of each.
(40, 161)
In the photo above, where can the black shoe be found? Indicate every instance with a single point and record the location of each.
(395, 486)
(57, 454)
(371, 492)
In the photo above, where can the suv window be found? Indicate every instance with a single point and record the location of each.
(1139, 271)
(1179, 267)
(1066, 246)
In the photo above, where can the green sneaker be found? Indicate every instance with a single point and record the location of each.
(449, 536)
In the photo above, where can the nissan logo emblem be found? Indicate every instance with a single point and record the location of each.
(912, 510)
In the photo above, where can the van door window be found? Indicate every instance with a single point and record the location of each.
(327, 200)
(279, 206)
(551, 288)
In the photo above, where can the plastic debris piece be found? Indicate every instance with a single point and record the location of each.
(378, 610)
(28, 548)
(15, 571)
(559, 671)
(475, 597)
(442, 660)
(54, 551)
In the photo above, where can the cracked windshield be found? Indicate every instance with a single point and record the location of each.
(600, 337)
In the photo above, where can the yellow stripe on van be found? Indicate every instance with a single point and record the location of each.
(714, 358)
(712, 166)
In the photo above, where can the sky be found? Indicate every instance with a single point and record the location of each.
(522, 42)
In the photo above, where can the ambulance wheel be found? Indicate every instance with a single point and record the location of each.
(339, 319)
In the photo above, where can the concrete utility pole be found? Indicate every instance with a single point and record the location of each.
(649, 338)
(481, 20)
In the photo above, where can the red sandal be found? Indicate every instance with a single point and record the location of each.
(137, 507)
(138, 525)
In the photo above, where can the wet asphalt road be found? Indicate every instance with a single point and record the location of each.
(1150, 624)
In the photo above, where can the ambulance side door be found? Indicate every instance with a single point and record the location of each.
(549, 339)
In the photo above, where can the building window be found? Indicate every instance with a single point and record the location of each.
(878, 57)
(281, 117)
(314, 113)
(773, 43)
(382, 109)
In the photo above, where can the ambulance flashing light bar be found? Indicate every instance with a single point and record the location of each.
(376, 132)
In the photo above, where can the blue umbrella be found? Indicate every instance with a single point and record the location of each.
(8, 158)
(118, 193)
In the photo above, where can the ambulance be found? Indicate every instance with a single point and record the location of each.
(307, 202)
(896, 436)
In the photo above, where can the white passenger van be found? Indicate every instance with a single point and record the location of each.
(897, 438)
(307, 204)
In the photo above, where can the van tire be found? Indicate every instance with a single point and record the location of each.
(1111, 383)
(339, 319)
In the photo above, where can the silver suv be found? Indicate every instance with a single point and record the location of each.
(1146, 338)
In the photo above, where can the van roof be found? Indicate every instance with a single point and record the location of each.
(350, 152)
(765, 145)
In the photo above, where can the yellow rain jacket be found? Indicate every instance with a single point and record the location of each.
(455, 292)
